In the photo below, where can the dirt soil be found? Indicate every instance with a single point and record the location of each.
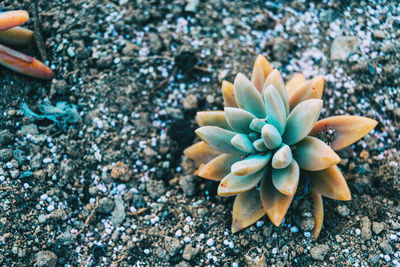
(115, 189)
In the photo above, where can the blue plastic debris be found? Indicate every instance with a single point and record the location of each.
(63, 114)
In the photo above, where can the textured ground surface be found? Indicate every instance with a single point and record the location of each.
(115, 189)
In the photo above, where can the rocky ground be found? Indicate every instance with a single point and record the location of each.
(115, 190)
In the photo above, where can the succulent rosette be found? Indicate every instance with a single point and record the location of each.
(266, 139)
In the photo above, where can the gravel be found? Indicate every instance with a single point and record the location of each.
(106, 205)
(45, 258)
(319, 252)
(138, 72)
(366, 232)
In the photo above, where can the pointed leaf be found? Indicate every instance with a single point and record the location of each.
(282, 158)
(330, 183)
(275, 108)
(295, 82)
(243, 143)
(286, 180)
(262, 68)
(248, 97)
(348, 129)
(212, 118)
(272, 138)
(314, 155)
(228, 94)
(276, 80)
(301, 120)
(217, 138)
(247, 209)
(239, 119)
(219, 167)
(22, 63)
(251, 164)
(201, 153)
(233, 184)
(16, 36)
(275, 203)
(318, 213)
(259, 145)
(310, 90)
(13, 18)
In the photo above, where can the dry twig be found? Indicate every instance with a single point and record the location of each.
(89, 217)
(38, 36)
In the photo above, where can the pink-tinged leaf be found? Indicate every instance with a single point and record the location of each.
(348, 129)
(312, 89)
(16, 36)
(261, 69)
(212, 118)
(228, 94)
(314, 155)
(201, 153)
(318, 213)
(12, 19)
(24, 64)
(233, 185)
(219, 167)
(330, 183)
(286, 180)
(275, 203)
(295, 82)
(247, 209)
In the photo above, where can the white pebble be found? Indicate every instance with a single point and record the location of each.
(210, 242)
(294, 229)
(260, 223)
(178, 233)
(187, 239)
(50, 208)
(358, 231)
(46, 160)
(146, 251)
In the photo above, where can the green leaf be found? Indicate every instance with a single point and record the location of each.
(271, 136)
(251, 164)
(233, 184)
(248, 97)
(301, 120)
(239, 119)
(243, 143)
(282, 158)
(275, 108)
(286, 179)
(217, 138)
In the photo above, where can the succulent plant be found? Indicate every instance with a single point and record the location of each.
(267, 138)
(12, 34)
